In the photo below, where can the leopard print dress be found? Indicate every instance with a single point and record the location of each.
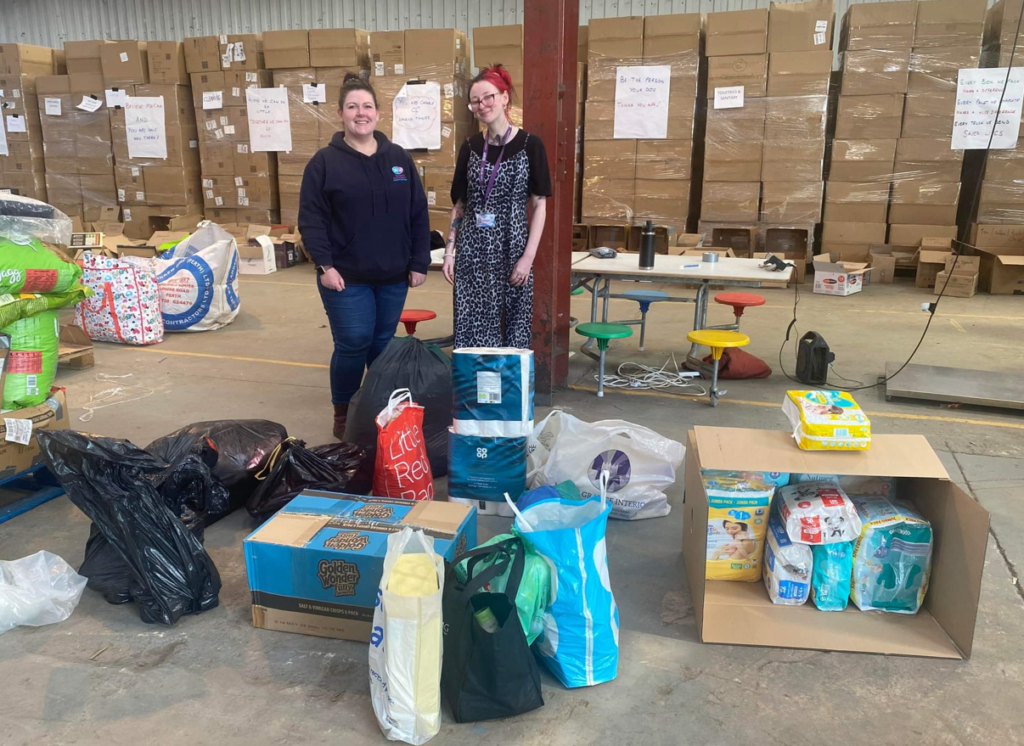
(489, 312)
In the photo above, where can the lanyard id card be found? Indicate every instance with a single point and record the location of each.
(487, 219)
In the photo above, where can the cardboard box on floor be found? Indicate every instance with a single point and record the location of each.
(931, 259)
(736, 613)
(833, 277)
(959, 279)
(885, 258)
(52, 414)
(315, 566)
(1001, 249)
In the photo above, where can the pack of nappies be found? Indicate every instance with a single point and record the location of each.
(827, 421)
(854, 485)
(787, 566)
(738, 504)
(830, 579)
(818, 513)
(892, 558)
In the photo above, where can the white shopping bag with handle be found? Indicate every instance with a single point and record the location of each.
(405, 643)
(639, 462)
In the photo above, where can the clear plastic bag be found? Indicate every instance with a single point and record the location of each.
(38, 589)
(23, 219)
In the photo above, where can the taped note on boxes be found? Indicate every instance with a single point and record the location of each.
(416, 113)
(270, 123)
(145, 127)
(641, 102)
(979, 115)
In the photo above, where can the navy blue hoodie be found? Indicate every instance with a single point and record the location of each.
(365, 215)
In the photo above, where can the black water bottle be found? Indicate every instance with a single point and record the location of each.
(647, 246)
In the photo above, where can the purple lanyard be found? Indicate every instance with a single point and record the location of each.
(497, 165)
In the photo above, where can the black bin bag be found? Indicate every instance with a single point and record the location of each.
(406, 363)
(235, 450)
(119, 487)
(487, 675)
(335, 467)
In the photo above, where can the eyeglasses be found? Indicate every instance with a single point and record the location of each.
(486, 101)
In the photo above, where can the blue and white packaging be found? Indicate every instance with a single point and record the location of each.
(315, 567)
(579, 644)
(492, 391)
(482, 469)
(787, 565)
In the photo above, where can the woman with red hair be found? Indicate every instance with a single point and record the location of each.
(492, 242)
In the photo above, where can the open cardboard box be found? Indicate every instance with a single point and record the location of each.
(839, 278)
(739, 613)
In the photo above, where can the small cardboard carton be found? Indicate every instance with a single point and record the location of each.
(1002, 265)
(959, 279)
(167, 63)
(930, 261)
(885, 258)
(315, 566)
(736, 613)
(52, 414)
(125, 63)
(838, 277)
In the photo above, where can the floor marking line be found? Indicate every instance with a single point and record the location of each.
(957, 326)
(749, 403)
(158, 351)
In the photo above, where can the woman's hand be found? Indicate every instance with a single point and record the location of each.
(331, 279)
(521, 272)
(416, 279)
(448, 269)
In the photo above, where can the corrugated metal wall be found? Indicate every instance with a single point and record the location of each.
(52, 22)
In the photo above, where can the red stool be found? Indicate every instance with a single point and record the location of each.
(739, 301)
(412, 316)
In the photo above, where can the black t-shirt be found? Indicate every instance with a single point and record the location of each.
(540, 176)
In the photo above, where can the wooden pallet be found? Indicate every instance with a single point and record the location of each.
(76, 350)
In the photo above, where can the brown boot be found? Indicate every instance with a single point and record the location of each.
(340, 419)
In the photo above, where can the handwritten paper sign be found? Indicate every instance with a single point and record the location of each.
(145, 127)
(979, 117)
(729, 97)
(16, 123)
(641, 102)
(313, 93)
(270, 123)
(115, 97)
(52, 107)
(213, 100)
(416, 113)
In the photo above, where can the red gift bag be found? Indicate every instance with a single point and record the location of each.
(401, 468)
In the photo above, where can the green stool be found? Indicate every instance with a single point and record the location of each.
(573, 321)
(577, 291)
(603, 333)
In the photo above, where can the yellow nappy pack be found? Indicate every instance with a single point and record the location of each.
(738, 504)
(827, 421)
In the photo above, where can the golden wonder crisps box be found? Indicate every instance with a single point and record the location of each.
(315, 566)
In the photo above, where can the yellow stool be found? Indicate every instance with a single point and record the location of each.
(717, 340)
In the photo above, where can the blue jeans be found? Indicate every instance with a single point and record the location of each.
(363, 320)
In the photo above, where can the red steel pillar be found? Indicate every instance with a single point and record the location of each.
(549, 109)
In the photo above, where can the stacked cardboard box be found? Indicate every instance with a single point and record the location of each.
(311, 66)
(893, 172)
(438, 55)
(763, 163)
(627, 182)
(21, 131)
(237, 185)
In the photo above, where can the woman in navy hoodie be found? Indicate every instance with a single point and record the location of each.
(363, 219)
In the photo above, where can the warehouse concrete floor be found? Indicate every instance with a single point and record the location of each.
(103, 677)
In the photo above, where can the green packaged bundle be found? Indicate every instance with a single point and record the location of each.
(16, 307)
(35, 268)
(32, 362)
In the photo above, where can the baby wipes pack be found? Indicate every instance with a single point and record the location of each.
(818, 513)
(892, 557)
(827, 421)
(787, 565)
(738, 505)
(830, 578)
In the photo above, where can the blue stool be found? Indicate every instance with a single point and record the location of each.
(645, 298)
